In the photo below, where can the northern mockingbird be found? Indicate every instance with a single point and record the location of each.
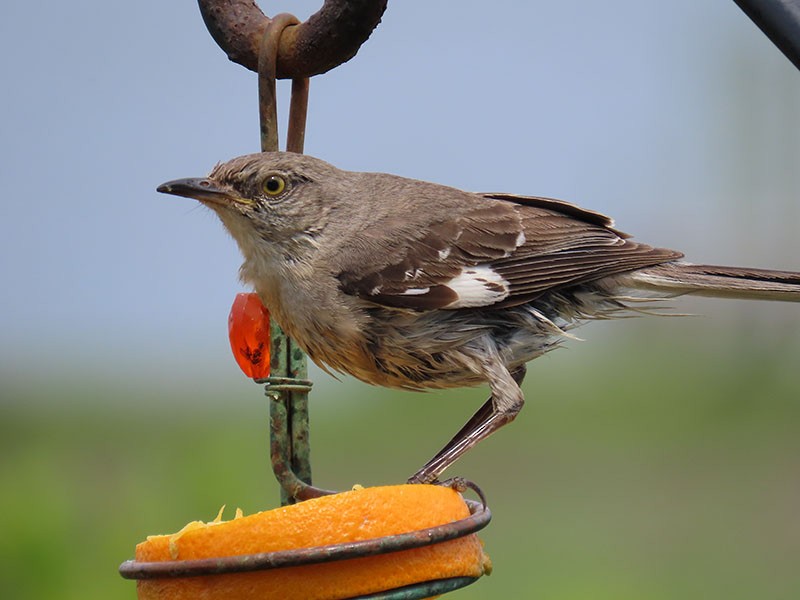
(415, 285)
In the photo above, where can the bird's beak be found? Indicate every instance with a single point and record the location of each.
(199, 188)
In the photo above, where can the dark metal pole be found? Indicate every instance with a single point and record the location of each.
(780, 22)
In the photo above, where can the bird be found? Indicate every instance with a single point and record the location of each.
(415, 285)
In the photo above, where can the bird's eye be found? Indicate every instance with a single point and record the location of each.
(274, 185)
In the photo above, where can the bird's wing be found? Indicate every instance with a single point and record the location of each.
(504, 250)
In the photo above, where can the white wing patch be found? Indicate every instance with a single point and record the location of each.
(416, 291)
(477, 286)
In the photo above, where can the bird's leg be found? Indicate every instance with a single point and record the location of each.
(501, 408)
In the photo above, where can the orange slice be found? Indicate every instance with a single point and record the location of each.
(360, 514)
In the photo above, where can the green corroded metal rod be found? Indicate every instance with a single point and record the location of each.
(287, 390)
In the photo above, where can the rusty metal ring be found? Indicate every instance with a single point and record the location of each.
(478, 519)
(327, 39)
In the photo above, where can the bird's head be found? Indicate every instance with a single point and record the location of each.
(271, 202)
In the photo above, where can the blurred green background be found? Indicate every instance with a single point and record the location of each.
(658, 459)
(646, 467)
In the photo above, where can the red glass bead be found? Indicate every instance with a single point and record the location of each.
(248, 330)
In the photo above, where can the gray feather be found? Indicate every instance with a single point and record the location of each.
(677, 278)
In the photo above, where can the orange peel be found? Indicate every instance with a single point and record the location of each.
(357, 515)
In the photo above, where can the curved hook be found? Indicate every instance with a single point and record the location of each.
(267, 100)
(267, 66)
(327, 39)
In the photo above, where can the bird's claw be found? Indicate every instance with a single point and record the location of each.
(459, 484)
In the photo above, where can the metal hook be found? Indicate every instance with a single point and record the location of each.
(298, 109)
(267, 99)
(327, 39)
(267, 66)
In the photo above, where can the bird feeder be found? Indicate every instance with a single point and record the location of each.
(393, 542)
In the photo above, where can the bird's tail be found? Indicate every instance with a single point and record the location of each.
(678, 278)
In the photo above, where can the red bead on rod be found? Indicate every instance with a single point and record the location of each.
(248, 330)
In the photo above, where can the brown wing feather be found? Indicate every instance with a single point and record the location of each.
(560, 206)
(480, 235)
(534, 244)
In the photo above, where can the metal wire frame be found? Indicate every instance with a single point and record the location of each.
(479, 517)
(417, 591)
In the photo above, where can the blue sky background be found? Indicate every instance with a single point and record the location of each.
(679, 119)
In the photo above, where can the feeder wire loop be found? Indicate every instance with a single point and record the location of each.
(478, 519)
(416, 591)
(282, 384)
(267, 66)
(329, 38)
